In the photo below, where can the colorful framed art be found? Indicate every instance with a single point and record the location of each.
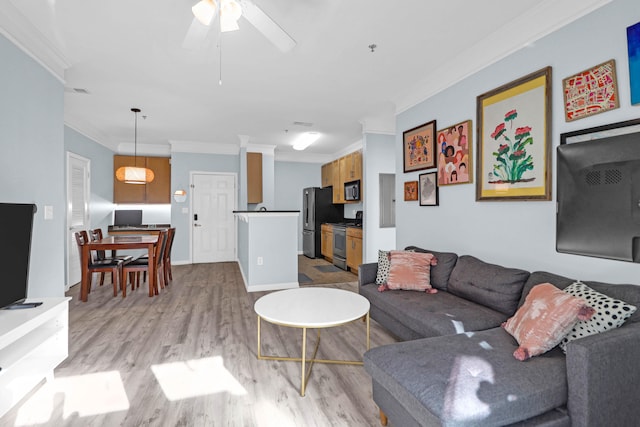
(633, 46)
(410, 191)
(428, 189)
(591, 91)
(514, 140)
(454, 145)
(419, 147)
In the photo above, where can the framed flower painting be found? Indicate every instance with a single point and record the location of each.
(514, 140)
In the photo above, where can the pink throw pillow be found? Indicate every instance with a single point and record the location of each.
(410, 271)
(546, 317)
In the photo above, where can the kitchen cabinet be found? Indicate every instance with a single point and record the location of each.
(354, 248)
(338, 189)
(345, 169)
(327, 175)
(254, 177)
(157, 191)
(326, 246)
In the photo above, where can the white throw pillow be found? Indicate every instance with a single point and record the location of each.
(610, 313)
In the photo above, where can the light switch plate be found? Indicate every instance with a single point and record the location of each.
(185, 210)
(48, 212)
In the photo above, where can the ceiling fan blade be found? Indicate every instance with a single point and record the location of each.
(267, 26)
(196, 35)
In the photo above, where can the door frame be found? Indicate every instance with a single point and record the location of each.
(71, 155)
(235, 207)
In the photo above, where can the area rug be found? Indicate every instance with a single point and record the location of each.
(303, 278)
(327, 268)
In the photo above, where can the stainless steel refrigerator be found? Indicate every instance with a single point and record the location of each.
(317, 208)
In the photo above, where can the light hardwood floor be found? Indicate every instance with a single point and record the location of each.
(188, 358)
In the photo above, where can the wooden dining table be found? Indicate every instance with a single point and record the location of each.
(113, 243)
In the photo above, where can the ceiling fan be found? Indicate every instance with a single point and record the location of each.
(229, 12)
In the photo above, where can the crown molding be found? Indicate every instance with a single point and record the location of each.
(267, 150)
(301, 157)
(91, 133)
(178, 146)
(547, 17)
(21, 32)
(129, 149)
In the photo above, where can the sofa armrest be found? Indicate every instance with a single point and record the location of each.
(367, 274)
(603, 378)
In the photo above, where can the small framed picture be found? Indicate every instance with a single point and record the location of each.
(419, 147)
(591, 91)
(410, 191)
(429, 189)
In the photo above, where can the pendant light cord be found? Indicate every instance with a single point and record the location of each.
(135, 137)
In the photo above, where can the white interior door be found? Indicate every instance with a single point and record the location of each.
(77, 211)
(213, 230)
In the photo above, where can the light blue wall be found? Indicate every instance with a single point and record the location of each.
(520, 234)
(101, 158)
(378, 157)
(290, 179)
(32, 160)
(182, 164)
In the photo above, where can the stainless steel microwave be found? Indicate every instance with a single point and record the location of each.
(352, 190)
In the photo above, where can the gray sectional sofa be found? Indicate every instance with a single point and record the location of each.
(455, 366)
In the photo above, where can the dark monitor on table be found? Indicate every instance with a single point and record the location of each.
(16, 226)
(127, 217)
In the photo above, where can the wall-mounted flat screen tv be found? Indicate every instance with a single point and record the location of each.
(598, 192)
(16, 225)
(127, 217)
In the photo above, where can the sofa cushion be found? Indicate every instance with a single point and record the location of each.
(547, 315)
(610, 313)
(431, 315)
(410, 270)
(492, 285)
(439, 273)
(469, 379)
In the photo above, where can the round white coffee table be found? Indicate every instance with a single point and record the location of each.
(315, 308)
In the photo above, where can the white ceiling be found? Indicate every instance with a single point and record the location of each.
(128, 53)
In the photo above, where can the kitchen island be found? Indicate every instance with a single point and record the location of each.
(268, 249)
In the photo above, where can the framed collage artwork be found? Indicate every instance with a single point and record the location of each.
(454, 145)
(514, 140)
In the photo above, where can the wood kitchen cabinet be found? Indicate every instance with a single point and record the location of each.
(345, 169)
(326, 245)
(354, 248)
(254, 177)
(327, 175)
(157, 191)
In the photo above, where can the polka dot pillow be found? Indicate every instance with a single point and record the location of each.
(383, 267)
(610, 313)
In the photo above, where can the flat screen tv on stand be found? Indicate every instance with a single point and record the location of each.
(16, 226)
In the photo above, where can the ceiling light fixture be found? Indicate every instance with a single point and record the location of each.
(134, 174)
(230, 12)
(305, 140)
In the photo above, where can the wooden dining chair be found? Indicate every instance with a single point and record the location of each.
(168, 274)
(141, 264)
(96, 234)
(96, 265)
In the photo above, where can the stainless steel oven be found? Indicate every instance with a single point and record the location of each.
(340, 246)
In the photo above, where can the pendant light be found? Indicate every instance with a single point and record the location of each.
(134, 174)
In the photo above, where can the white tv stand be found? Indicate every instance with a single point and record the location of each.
(33, 341)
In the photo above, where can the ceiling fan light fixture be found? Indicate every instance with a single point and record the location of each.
(204, 11)
(230, 12)
(305, 140)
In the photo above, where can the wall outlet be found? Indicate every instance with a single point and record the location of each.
(260, 260)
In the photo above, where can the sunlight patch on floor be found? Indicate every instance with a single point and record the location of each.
(267, 414)
(198, 377)
(82, 395)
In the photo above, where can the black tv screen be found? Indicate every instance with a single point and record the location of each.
(16, 225)
(130, 217)
(598, 193)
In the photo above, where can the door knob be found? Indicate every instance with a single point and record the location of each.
(197, 225)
